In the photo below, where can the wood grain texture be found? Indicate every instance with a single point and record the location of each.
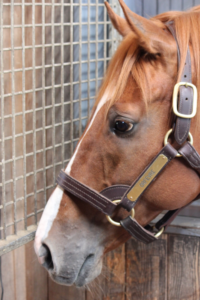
(36, 276)
(61, 292)
(168, 269)
(110, 285)
(115, 279)
(8, 276)
(97, 288)
(19, 273)
(146, 270)
(183, 268)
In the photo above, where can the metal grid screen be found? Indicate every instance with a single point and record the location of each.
(52, 60)
(53, 57)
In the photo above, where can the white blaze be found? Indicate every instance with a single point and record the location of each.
(48, 216)
(101, 103)
(53, 203)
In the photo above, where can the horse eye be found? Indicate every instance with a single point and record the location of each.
(122, 126)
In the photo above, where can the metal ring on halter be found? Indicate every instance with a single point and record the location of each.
(159, 232)
(117, 223)
(168, 134)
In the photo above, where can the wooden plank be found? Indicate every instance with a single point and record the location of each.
(36, 276)
(183, 264)
(110, 285)
(19, 273)
(97, 288)
(115, 279)
(17, 240)
(61, 292)
(8, 276)
(146, 270)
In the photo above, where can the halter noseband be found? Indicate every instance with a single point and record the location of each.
(184, 108)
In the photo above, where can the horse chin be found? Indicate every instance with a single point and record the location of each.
(87, 273)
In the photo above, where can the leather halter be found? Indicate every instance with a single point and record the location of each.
(183, 97)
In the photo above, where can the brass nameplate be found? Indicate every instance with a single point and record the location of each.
(147, 178)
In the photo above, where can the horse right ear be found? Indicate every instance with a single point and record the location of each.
(120, 24)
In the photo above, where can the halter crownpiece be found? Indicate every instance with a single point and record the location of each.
(184, 105)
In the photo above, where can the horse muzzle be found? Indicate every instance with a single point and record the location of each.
(69, 267)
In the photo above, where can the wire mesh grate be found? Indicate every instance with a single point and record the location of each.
(53, 57)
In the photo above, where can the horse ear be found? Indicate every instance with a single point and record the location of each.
(150, 35)
(119, 23)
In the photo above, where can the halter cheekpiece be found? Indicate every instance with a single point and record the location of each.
(184, 105)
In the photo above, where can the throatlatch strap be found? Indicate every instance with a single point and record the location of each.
(185, 99)
(191, 156)
(137, 231)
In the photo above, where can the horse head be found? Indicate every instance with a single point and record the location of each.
(130, 118)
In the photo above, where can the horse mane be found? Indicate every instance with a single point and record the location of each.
(126, 58)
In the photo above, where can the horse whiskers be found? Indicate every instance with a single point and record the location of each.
(95, 288)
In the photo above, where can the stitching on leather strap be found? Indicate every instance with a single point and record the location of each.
(137, 233)
(101, 197)
(74, 187)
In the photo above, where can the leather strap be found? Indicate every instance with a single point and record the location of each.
(137, 231)
(168, 218)
(170, 153)
(85, 193)
(114, 192)
(191, 156)
(103, 202)
(185, 103)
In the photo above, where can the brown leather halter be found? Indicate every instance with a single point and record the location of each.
(185, 97)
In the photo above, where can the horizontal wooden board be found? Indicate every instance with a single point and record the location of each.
(15, 241)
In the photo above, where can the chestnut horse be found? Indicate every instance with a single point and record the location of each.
(131, 116)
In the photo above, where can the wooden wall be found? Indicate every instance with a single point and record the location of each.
(166, 270)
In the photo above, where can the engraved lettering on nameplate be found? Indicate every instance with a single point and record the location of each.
(147, 177)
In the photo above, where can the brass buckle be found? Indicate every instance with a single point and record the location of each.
(159, 232)
(168, 134)
(117, 223)
(175, 100)
(132, 215)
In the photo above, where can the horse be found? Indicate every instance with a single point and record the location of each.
(131, 115)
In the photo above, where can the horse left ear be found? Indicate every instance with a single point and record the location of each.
(151, 35)
(119, 23)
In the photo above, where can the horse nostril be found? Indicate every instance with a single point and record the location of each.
(46, 254)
